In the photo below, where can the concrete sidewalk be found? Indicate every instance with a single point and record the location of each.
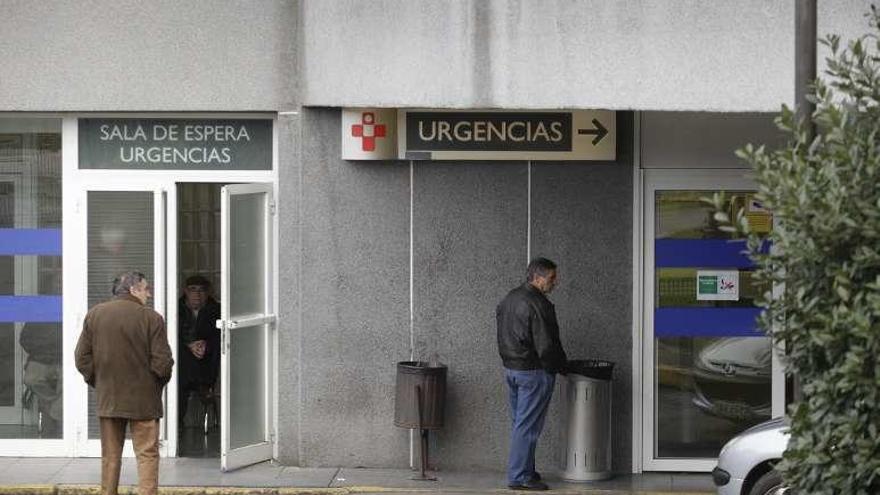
(185, 476)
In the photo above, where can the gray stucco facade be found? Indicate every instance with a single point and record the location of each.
(385, 261)
(469, 228)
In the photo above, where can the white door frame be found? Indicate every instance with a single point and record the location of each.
(676, 179)
(92, 447)
(74, 238)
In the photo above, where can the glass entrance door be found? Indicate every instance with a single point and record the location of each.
(709, 370)
(125, 231)
(247, 324)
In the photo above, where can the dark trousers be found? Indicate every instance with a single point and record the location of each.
(145, 438)
(530, 393)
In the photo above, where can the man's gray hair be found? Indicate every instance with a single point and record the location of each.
(123, 283)
(539, 267)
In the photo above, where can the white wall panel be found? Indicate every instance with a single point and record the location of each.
(725, 55)
(147, 55)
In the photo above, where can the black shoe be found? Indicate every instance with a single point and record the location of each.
(536, 476)
(531, 485)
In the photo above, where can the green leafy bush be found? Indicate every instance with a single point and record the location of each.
(825, 263)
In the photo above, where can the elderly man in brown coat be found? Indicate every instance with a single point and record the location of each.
(123, 353)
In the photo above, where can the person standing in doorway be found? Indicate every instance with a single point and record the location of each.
(123, 353)
(199, 354)
(528, 342)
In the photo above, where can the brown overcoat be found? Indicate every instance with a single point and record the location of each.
(123, 352)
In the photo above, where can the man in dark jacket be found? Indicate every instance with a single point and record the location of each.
(199, 350)
(528, 342)
(123, 353)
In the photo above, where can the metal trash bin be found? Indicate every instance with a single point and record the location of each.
(419, 403)
(419, 381)
(588, 407)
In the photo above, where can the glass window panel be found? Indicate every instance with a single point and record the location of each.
(31, 388)
(205, 252)
(247, 386)
(7, 364)
(204, 194)
(206, 225)
(7, 203)
(247, 253)
(50, 275)
(188, 258)
(199, 232)
(7, 275)
(187, 201)
(708, 388)
(42, 375)
(120, 239)
(684, 215)
(187, 226)
(49, 214)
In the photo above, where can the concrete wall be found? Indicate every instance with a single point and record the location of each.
(470, 245)
(237, 55)
(735, 56)
(352, 297)
(289, 287)
(706, 140)
(157, 55)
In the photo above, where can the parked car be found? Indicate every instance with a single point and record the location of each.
(746, 463)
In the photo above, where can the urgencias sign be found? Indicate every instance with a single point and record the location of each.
(175, 144)
(523, 135)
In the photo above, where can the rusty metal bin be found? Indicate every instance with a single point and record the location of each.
(415, 379)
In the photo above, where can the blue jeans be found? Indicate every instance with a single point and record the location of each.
(530, 393)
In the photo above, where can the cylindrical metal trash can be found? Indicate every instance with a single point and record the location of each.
(588, 405)
(412, 377)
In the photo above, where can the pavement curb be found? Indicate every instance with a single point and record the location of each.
(351, 490)
(176, 490)
(27, 489)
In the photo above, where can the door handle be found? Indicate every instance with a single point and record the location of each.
(250, 321)
(224, 343)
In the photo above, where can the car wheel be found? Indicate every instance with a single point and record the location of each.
(770, 483)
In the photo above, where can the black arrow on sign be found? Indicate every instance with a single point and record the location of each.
(600, 131)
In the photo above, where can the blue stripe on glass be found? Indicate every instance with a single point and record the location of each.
(45, 242)
(706, 322)
(702, 253)
(30, 308)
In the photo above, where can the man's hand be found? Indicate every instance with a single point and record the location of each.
(198, 348)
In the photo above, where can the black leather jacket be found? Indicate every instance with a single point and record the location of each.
(528, 334)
